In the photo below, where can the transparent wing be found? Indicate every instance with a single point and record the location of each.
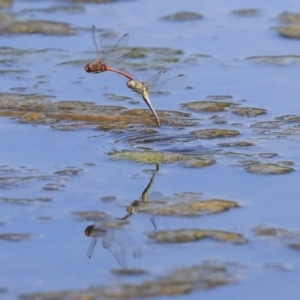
(120, 257)
(152, 81)
(127, 244)
(108, 239)
(94, 40)
(112, 53)
(91, 248)
(168, 84)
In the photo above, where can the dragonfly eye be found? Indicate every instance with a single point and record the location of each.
(130, 83)
(88, 231)
(88, 68)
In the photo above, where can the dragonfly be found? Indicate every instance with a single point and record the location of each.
(109, 54)
(114, 240)
(155, 84)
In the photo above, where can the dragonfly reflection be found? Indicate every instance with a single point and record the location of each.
(144, 198)
(115, 240)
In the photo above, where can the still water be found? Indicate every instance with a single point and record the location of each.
(97, 202)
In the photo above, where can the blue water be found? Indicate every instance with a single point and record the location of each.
(55, 259)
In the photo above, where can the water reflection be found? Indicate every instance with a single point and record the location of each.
(115, 240)
(144, 198)
(113, 236)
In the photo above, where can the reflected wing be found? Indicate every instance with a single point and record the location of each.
(108, 239)
(127, 244)
(137, 252)
(120, 257)
(91, 248)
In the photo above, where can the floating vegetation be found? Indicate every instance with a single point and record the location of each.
(208, 106)
(129, 272)
(16, 237)
(37, 108)
(249, 111)
(246, 12)
(267, 168)
(284, 60)
(292, 31)
(214, 133)
(290, 238)
(156, 157)
(267, 125)
(10, 25)
(183, 281)
(94, 216)
(33, 118)
(176, 206)
(237, 144)
(192, 235)
(24, 200)
(183, 16)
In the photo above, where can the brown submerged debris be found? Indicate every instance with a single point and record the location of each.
(214, 133)
(290, 237)
(129, 272)
(292, 31)
(33, 118)
(289, 17)
(156, 157)
(183, 16)
(93, 216)
(246, 12)
(267, 125)
(267, 155)
(268, 168)
(4, 3)
(208, 275)
(16, 237)
(249, 111)
(192, 235)
(208, 106)
(237, 144)
(23, 201)
(183, 207)
(270, 231)
(36, 108)
(284, 60)
(288, 119)
(92, 1)
(35, 26)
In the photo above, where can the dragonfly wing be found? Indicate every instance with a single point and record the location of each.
(91, 248)
(169, 84)
(108, 239)
(152, 81)
(113, 52)
(127, 244)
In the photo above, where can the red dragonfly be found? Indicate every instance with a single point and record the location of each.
(109, 54)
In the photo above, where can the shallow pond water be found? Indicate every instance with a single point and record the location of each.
(97, 202)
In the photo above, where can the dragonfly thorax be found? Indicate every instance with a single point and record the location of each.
(95, 67)
(137, 86)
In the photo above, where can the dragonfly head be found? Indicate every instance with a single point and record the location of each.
(88, 68)
(88, 231)
(130, 84)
